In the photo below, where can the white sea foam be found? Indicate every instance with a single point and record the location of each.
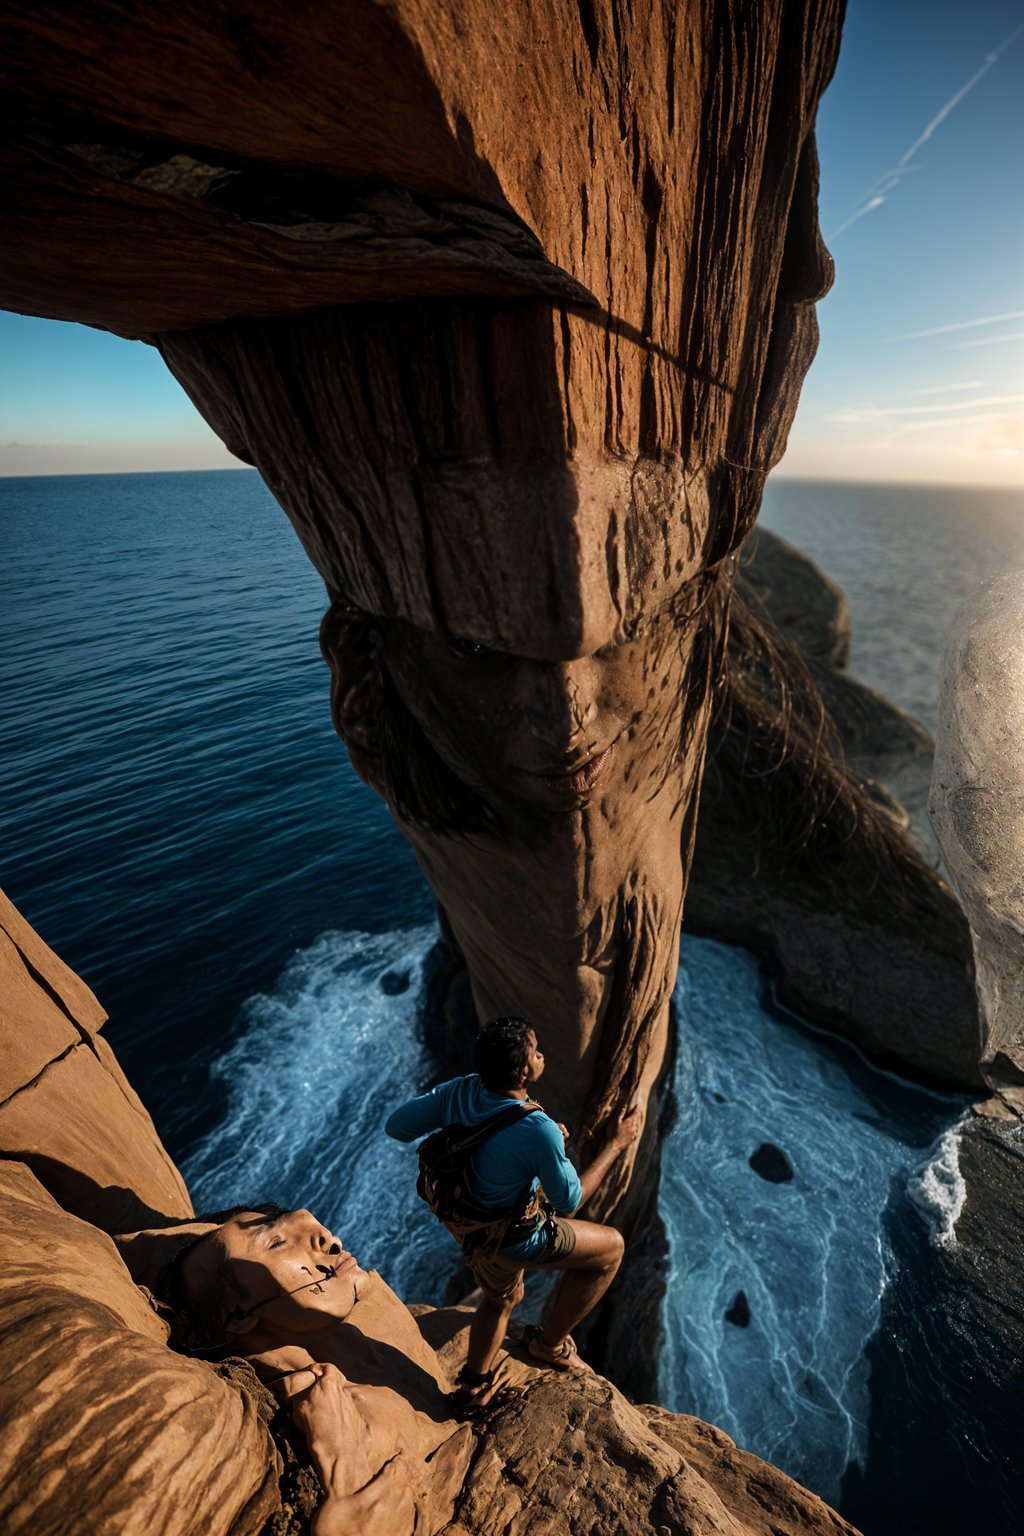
(810, 1253)
(309, 1082)
(937, 1190)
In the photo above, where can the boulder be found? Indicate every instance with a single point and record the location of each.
(572, 1457)
(777, 578)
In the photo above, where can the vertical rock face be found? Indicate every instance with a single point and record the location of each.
(801, 851)
(524, 508)
(66, 1109)
(977, 805)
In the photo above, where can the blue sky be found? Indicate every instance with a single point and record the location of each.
(920, 373)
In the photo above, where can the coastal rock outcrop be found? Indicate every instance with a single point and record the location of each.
(106, 1428)
(805, 854)
(515, 361)
(958, 1310)
(575, 1458)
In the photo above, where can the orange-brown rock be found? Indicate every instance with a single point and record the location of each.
(548, 476)
(573, 1457)
(102, 1427)
(66, 1108)
(105, 1428)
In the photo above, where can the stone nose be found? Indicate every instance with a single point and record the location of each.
(560, 704)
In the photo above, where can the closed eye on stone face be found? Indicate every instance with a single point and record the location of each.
(469, 650)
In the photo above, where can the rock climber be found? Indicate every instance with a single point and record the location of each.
(523, 1176)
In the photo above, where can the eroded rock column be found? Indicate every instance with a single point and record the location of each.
(525, 510)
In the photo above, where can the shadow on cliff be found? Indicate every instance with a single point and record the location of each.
(112, 1208)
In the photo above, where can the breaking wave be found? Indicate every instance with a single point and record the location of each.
(937, 1190)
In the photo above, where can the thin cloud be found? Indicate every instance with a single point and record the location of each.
(880, 190)
(947, 389)
(960, 325)
(854, 415)
(986, 341)
(1000, 433)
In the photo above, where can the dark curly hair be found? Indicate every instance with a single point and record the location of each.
(201, 1309)
(501, 1051)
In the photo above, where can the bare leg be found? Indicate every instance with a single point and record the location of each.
(590, 1270)
(488, 1329)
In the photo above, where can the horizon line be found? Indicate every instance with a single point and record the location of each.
(791, 475)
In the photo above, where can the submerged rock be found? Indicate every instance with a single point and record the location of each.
(738, 1312)
(771, 1163)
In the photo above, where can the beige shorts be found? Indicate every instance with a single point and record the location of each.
(498, 1276)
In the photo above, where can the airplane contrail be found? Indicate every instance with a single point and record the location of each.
(879, 191)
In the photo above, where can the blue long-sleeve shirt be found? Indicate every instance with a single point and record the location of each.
(502, 1167)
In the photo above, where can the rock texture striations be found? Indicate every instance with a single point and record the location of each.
(66, 1109)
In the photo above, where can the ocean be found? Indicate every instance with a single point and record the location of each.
(179, 822)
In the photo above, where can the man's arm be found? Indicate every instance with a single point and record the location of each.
(625, 1130)
(558, 1177)
(566, 1189)
(419, 1116)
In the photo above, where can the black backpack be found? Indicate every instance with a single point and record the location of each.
(444, 1167)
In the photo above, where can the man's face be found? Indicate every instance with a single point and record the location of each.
(535, 1059)
(281, 1267)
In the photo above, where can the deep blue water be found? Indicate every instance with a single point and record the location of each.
(179, 822)
(176, 813)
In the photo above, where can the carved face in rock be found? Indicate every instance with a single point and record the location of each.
(284, 1273)
(531, 736)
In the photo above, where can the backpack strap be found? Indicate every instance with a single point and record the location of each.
(484, 1129)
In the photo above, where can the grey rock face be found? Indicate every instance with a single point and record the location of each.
(977, 805)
